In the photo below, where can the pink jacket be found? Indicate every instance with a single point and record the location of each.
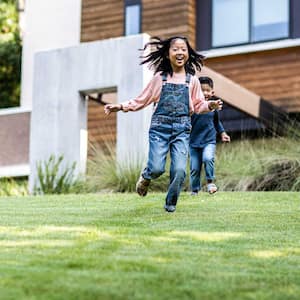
(151, 94)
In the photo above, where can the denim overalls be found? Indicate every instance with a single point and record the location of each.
(170, 130)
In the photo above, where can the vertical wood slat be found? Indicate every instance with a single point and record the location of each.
(101, 128)
(95, 20)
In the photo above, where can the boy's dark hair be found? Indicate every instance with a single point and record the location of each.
(206, 80)
(159, 51)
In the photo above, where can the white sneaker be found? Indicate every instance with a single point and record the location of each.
(212, 188)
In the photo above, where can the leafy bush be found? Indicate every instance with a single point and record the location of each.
(10, 55)
(53, 179)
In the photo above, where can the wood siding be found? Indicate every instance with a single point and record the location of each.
(168, 18)
(105, 19)
(101, 128)
(101, 19)
(274, 75)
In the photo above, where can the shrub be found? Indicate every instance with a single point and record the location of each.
(53, 178)
(104, 173)
(13, 187)
(279, 175)
(263, 164)
(10, 55)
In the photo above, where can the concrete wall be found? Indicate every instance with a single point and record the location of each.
(59, 113)
(47, 25)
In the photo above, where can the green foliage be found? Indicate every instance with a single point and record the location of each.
(13, 187)
(53, 178)
(10, 55)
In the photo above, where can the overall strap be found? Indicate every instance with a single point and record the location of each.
(164, 78)
(188, 79)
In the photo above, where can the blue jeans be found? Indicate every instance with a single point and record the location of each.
(199, 156)
(165, 137)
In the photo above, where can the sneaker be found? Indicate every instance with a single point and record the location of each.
(194, 193)
(212, 188)
(169, 208)
(142, 186)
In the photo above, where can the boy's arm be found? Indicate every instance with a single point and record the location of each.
(218, 125)
(220, 129)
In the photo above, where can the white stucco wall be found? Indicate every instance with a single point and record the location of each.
(59, 113)
(47, 25)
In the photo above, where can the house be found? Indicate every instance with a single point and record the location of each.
(252, 49)
(253, 43)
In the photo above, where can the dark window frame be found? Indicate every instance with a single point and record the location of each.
(131, 3)
(204, 22)
(250, 31)
(294, 19)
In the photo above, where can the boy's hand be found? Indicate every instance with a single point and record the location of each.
(225, 138)
(216, 104)
(108, 108)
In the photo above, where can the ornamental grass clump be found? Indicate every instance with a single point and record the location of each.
(279, 175)
(53, 178)
(104, 173)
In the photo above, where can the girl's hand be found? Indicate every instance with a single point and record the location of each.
(217, 104)
(108, 108)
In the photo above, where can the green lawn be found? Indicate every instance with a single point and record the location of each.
(119, 246)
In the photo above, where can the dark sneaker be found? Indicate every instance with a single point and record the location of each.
(194, 193)
(142, 186)
(170, 208)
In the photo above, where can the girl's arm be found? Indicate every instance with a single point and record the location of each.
(149, 95)
(108, 108)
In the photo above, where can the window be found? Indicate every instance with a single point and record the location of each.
(226, 15)
(269, 23)
(248, 21)
(132, 17)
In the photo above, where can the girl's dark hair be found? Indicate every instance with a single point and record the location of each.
(158, 56)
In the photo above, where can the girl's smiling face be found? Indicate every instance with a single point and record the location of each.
(178, 54)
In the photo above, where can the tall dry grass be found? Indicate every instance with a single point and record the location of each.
(263, 164)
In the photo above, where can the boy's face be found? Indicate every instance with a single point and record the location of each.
(207, 91)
